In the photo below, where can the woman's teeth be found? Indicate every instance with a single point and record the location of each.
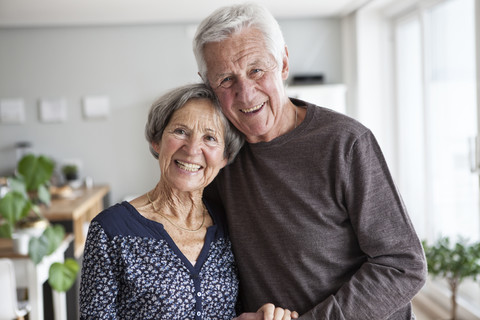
(188, 166)
(255, 108)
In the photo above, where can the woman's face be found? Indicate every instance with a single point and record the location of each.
(191, 151)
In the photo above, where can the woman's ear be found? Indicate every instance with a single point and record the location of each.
(156, 146)
(224, 162)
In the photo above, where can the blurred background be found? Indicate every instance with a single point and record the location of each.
(77, 79)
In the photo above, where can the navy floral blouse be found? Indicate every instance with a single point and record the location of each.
(132, 269)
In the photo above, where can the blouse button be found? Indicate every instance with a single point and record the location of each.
(199, 294)
(199, 313)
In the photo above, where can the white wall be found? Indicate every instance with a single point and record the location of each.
(133, 65)
(315, 45)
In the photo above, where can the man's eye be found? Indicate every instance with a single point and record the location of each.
(257, 73)
(226, 82)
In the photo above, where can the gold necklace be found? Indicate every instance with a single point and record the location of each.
(179, 227)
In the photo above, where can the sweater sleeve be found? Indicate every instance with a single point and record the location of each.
(395, 268)
(98, 288)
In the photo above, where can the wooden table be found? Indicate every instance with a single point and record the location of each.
(79, 209)
(31, 276)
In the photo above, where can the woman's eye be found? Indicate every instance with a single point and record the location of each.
(210, 138)
(179, 131)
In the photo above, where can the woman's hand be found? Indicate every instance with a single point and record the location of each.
(269, 312)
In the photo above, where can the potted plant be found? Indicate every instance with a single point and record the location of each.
(70, 172)
(454, 262)
(20, 206)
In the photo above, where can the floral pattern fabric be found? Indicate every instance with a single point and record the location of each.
(132, 269)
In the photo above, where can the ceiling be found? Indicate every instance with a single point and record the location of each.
(16, 13)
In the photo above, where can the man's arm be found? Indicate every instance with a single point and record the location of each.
(395, 269)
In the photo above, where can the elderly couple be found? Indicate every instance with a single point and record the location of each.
(302, 220)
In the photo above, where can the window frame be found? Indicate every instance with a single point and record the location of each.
(436, 291)
(378, 17)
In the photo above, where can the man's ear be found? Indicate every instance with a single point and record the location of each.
(285, 65)
(204, 80)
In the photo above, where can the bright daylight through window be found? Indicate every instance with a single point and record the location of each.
(437, 120)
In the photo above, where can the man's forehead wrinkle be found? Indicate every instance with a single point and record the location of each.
(235, 57)
(247, 58)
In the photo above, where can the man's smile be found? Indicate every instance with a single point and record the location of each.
(253, 109)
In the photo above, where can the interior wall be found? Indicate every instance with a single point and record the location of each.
(132, 65)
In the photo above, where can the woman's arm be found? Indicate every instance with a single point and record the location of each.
(99, 287)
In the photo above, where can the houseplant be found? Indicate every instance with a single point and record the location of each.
(29, 189)
(454, 262)
(70, 172)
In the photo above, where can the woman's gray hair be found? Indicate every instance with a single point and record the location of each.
(162, 110)
(225, 21)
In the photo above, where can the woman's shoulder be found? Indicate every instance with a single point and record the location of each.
(118, 219)
(117, 211)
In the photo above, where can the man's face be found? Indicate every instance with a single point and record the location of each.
(248, 84)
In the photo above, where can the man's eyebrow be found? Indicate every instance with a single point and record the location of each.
(222, 75)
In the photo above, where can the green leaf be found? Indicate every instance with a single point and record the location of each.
(17, 184)
(38, 248)
(61, 276)
(55, 235)
(14, 206)
(454, 262)
(44, 194)
(35, 170)
(6, 230)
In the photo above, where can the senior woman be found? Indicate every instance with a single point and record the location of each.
(166, 254)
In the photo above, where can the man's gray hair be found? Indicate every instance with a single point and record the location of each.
(226, 21)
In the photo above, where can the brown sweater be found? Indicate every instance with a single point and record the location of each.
(317, 224)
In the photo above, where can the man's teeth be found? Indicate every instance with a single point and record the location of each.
(255, 108)
(188, 166)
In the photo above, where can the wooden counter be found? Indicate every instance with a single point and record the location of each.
(79, 209)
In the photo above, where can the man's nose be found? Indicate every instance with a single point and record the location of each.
(244, 89)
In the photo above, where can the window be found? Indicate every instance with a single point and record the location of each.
(412, 179)
(436, 120)
(411, 77)
(437, 116)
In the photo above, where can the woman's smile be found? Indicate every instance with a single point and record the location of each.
(190, 167)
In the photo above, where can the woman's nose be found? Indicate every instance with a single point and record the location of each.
(193, 146)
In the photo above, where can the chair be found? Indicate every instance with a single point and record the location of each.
(10, 307)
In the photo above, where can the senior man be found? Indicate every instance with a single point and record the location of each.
(315, 219)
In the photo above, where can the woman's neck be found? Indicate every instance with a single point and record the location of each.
(184, 205)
